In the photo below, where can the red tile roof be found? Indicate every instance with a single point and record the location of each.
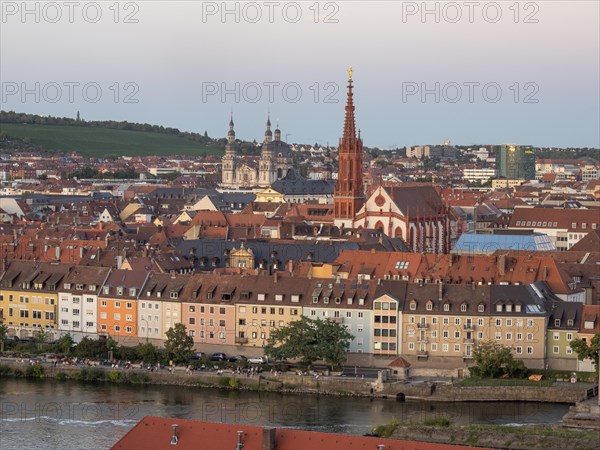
(156, 433)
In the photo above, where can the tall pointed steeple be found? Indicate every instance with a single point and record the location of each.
(349, 195)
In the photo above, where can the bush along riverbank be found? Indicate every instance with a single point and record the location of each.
(37, 371)
(440, 429)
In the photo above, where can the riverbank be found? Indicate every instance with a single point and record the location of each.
(288, 383)
(527, 437)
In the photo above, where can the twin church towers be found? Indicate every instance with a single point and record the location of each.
(276, 162)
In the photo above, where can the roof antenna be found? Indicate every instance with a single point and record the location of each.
(174, 438)
(240, 444)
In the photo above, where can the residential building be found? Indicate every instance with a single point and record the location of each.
(78, 301)
(118, 305)
(29, 297)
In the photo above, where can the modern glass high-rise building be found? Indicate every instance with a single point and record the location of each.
(515, 161)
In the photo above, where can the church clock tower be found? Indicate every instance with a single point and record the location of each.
(349, 195)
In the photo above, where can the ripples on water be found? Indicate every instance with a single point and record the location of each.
(70, 415)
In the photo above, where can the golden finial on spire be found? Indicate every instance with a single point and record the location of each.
(350, 73)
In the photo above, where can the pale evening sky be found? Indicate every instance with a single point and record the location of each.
(539, 63)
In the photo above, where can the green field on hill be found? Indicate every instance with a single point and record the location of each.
(105, 142)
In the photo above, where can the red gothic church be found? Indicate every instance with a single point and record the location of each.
(411, 211)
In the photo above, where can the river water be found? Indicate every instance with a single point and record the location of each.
(71, 415)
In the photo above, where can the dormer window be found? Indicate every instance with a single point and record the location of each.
(509, 308)
(119, 291)
(158, 293)
(79, 287)
(463, 307)
(67, 285)
(261, 297)
(429, 306)
(480, 308)
(279, 297)
(339, 300)
(499, 307)
(132, 292)
(361, 301)
(325, 300)
(446, 306)
(315, 299)
(106, 289)
(148, 293)
(174, 294)
(557, 322)
(91, 287)
(413, 305)
(570, 322)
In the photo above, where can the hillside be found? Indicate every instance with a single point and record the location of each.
(105, 142)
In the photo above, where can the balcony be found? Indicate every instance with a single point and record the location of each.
(422, 354)
(336, 319)
(241, 340)
(422, 326)
(469, 327)
(468, 356)
(468, 341)
(422, 340)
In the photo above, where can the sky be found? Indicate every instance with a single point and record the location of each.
(471, 72)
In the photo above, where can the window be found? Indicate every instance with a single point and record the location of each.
(446, 306)
(129, 305)
(519, 350)
(480, 308)
(555, 349)
(555, 336)
(557, 322)
(117, 304)
(413, 305)
(509, 322)
(569, 337)
(429, 306)
(508, 336)
(457, 321)
(411, 345)
(463, 307)
(529, 350)
(457, 347)
(444, 347)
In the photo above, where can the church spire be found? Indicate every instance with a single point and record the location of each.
(231, 132)
(349, 193)
(349, 137)
(268, 132)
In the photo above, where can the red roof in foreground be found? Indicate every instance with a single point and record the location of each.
(156, 433)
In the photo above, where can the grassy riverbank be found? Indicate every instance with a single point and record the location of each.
(440, 429)
(527, 437)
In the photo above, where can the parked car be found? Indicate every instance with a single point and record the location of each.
(218, 357)
(258, 360)
(237, 358)
(199, 355)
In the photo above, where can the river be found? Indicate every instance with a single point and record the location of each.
(71, 415)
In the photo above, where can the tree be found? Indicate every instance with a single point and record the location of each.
(179, 344)
(587, 350)
(494, 360)
(148, 353)
(65, 343)
(3, 336)
(310, 340)
(39, 337)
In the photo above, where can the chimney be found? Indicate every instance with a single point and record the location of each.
(501, 260)
(57, 248)
(291, 266)
(268, 438)
(440, 291)
(119, 261)
(174, 438)
(240, 443)
(275, 277)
